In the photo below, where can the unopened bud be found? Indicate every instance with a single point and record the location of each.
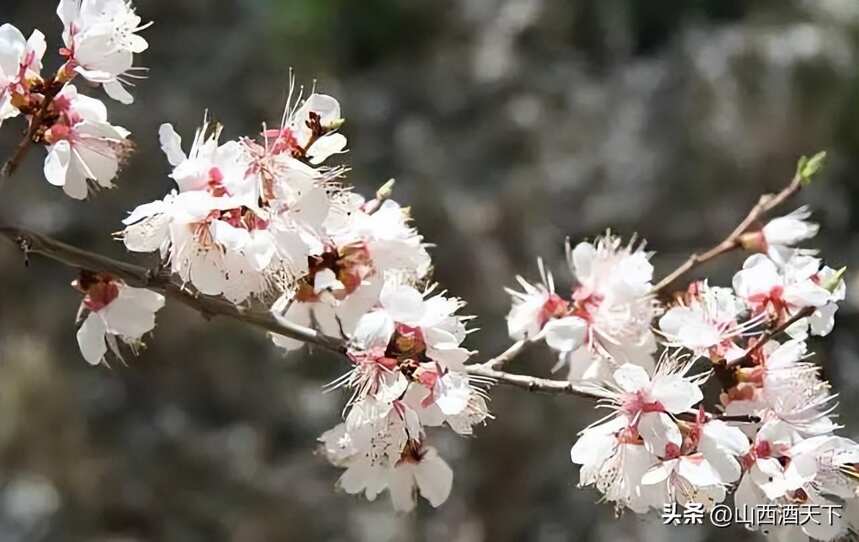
(386, 190)
(335, 124)
(754, 241)
(832, 283)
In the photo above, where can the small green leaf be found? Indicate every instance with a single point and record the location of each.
(807, 168)
(386, 190)
(834, 280)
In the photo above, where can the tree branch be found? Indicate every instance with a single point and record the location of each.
(746, 359)
(765, 204)
(141, 277)
(530, 383)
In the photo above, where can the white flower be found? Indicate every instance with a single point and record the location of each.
(428, 324)
(20, 64)
(391, 241)
(819, 472)
(781, 292)
(784, 387)
(381, 447)
(647, 404)
(822, 320)
(793, 390)
(229, 233)
(614, 461)
(82, 144)
(685, 479)
(446, 397)
(764, 462)
(310, 131)
(329, 315)
(115, 311)
(611, 310)
(782, 233)
(534, 306)
(218, 168)
(213, 243)
(101, 40)
(707, 323)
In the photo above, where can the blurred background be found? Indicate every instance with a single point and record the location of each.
(509, 125)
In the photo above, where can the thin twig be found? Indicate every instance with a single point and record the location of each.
(508, 355)
(765, 204)
(530, 383)
(27, 141)
(746, 358)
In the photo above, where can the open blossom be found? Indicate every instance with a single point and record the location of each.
(785, 469)
(706, 322)
(648, 404)
(114, 311)
(83, 145)
(101, 39)
(430, 321)
(217, 232)
(344, 281)
(780, 235)
(209, 165)
(20, 64)
(607, 320)
(534, 306)
(390, 459)
(309, 130)
(644, 456)
(698, 467)
(381, 446)
(782, 386)
(780, 292)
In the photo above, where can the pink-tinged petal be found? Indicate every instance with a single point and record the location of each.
(117, 91)
(57, 163)
(698, 471)
(659, 433)
(374, 329)
(171, 144)
(565, 334)
(675, 393)
(325, 147)
(434, 478)
(403, 303)
(401, 485)
(631, 378)
(91, 339)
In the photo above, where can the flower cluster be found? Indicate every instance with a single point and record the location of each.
(100, 39)
(771, 435)
(264, 220)
(407, 374)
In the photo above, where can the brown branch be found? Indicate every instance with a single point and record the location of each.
(530, 383)
(765, 204)
(141, 277)
(508, 355)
